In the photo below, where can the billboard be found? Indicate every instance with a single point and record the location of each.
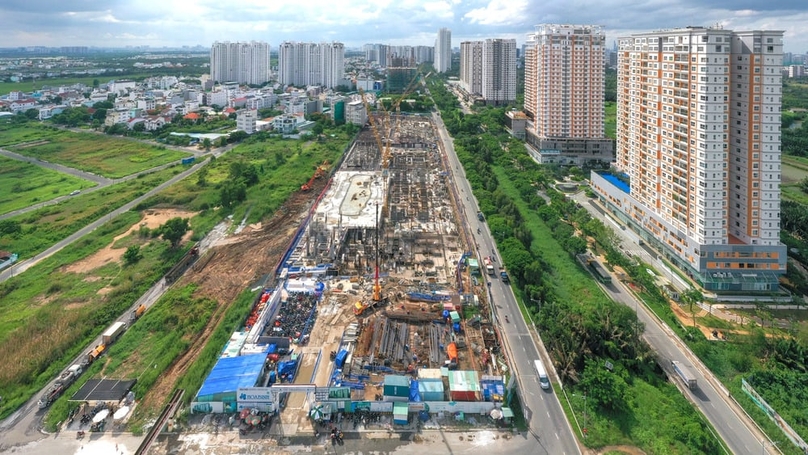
(255, 395)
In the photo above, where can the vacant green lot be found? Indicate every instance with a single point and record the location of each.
(109, 156)
(23, 184)
(610, 120)
(42, 228)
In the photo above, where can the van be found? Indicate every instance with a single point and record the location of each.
(544, 380)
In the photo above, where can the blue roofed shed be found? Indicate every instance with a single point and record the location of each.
(228, 375)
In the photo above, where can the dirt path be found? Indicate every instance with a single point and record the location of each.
(152, 219)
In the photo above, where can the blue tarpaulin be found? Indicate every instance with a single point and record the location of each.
(340, 359)
(287, 368)
(415, 395)
(272, 349)
(231, 373)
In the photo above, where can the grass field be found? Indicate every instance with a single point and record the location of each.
(23, 184)
(795, 169)
(42, 228)
(109, 156)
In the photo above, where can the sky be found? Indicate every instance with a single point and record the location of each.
(157, 23)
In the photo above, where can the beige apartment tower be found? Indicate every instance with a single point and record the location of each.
(564, 94)
(698, 141)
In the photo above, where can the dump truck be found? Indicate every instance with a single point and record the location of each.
(113, 332)
(138, 312)
(64, 381)
(96, 353)
(685, 375)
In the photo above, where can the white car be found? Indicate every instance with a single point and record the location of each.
(75, 192)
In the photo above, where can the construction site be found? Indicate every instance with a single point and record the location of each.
(379, 305)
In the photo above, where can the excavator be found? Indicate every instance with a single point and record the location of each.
(318, 173)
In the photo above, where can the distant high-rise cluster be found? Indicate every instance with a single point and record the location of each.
(383, 53)
(698, 136)
(304, 64)
(245, 63)
(488, 70)
(443, 50)
(564, 94)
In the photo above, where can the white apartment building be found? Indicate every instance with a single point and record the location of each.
(246, 120)
(304, 64)
(356, 113)
(698, 138)
(471, 67)
(564, 94)
(443, 50)
(241, 62)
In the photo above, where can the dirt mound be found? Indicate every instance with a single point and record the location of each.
(152, 219)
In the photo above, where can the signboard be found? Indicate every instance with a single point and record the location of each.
(255, 395)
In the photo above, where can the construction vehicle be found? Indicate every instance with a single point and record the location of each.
(62, 383)
(97, 351)
(318, 173)
(138, 312)
(685, 375)
(489, 266)
(360, 308)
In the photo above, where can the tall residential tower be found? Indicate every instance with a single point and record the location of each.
(698, 138)
(305, 64)
(564, 94)
(245, 63)
(488, 70)
(443, 50)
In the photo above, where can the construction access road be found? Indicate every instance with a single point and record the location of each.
(542, 410)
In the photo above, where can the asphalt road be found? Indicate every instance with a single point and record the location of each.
(543, 412)
(737, 430)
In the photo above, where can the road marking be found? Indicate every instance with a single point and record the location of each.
(557, 437)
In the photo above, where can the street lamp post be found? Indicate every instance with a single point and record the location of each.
(583, 430)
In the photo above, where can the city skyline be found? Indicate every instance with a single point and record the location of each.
(117, 23)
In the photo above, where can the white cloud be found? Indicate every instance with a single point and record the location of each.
(499, 12)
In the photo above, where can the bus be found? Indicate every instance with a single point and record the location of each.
(544, 380)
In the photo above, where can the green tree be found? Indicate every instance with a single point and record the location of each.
(206, 144)
(132, 254)
(10, 227)
(232, 192)
(174, 229)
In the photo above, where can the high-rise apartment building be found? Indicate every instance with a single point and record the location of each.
(698, 138)
(245, 63)
(443, 50)
(471, 67)
(499, 71)
(564, 94)
(488, 70)
(304, 64)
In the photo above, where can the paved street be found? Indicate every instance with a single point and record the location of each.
(544, 414)
(729, 420)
